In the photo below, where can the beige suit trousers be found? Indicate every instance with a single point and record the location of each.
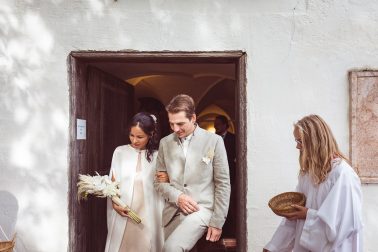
(183, 232)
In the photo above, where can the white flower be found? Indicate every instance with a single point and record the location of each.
(107, 180)
(206, 160)
(208, 157)
(110, 190)
(98, 183)
(102, 186)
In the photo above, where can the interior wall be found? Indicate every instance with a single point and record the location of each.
(299, 52)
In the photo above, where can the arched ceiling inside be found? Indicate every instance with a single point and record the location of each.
(221, 95)
(206, 83)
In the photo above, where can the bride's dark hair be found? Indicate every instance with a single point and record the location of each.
(147, 123)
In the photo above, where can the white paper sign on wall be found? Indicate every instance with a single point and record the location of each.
(81, 129)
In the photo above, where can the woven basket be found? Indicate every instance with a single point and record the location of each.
(7, 246)
(281, 203)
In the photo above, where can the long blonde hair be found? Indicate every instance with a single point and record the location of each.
(319, 147)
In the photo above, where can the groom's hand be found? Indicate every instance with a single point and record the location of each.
(213, 234)
(187, 204)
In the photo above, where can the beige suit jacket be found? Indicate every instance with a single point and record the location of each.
(203, 174)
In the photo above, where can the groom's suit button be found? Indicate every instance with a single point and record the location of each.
(184, 185)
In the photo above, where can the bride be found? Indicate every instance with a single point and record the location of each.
(133, 166)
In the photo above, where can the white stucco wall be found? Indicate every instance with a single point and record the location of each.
(299, 52)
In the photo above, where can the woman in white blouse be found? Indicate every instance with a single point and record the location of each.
(332, 217)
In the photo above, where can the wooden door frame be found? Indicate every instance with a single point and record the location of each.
(77, 62)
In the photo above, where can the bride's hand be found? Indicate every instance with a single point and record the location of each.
(120, 210)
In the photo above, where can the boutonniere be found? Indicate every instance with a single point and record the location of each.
(209, 156)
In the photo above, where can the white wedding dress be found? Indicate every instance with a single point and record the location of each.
(122, 232)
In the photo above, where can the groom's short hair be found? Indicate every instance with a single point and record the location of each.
(182, 102)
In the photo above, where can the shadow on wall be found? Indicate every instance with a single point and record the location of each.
(33, 131)
(34, 118)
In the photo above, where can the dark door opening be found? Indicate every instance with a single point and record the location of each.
(107, 88)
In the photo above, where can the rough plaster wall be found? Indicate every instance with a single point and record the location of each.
(299, 53)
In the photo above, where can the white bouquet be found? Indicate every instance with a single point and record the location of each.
(103, 187)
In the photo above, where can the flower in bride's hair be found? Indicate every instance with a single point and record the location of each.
(154, 117)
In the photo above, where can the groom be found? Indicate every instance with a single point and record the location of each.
(198, 194)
